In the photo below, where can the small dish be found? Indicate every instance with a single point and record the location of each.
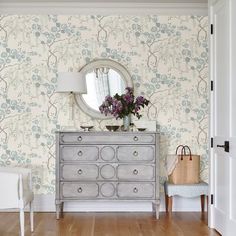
(141, 129)
(86, 127)
(112, 128)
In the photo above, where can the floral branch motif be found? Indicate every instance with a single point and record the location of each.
(51, 155)
(202, 131)
(2, 28)
(202, 83)
(52, 109)
(202, 29)
(2, 131)
(102, 33)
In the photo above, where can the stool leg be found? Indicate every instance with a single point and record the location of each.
(203, 202)
(166, 201)
(170, 204)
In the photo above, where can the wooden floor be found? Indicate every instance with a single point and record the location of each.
(106, 224)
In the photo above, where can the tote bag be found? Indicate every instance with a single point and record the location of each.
(187, 169)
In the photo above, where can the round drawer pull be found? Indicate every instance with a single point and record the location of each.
(135, 190)
(79, 190)
(80, 153)
(79, 138)
(135, 172)
(135, 153)
(80, 172)
(135, 138)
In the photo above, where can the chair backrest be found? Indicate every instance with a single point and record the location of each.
(9, 189)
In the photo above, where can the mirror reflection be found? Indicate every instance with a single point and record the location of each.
(101, 82)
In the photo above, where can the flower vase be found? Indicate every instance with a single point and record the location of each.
(126, 122)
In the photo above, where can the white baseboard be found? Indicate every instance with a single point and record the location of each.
(46, 203)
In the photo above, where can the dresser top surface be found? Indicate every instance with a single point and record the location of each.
(107, 132)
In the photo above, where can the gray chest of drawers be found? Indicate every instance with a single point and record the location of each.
(112, 166)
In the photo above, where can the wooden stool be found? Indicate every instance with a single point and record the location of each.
(185, 190)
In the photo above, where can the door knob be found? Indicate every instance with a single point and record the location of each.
(225, 146)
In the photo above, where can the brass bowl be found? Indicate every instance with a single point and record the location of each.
(112, 128)
(141, 129)
(86, 127)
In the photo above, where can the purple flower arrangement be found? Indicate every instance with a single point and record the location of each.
(123, 105)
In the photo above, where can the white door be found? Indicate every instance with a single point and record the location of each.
(223, 110)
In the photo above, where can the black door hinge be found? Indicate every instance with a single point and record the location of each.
(211, 28)
(212, 199)
(212, 143)
(212, 85)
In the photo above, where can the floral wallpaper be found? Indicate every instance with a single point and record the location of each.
(165, 55)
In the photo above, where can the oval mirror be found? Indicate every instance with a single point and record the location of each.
(103, 77)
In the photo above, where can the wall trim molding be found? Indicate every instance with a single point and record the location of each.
(103, 8)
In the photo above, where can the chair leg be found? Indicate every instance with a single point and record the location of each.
(170, 200)
(22, 222)
(31, 216)
(202, 203)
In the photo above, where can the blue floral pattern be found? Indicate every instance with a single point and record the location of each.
(167, 57)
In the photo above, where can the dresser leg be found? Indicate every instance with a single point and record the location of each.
(59, 208)
(156, 208)
(62, 209)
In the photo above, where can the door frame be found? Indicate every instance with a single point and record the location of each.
(211, 4)
(211, 191)
(211, 112)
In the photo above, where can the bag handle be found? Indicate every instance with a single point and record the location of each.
(190, 153)
(183, 151)
(176, 152)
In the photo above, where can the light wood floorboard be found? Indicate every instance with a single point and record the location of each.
(109, 224)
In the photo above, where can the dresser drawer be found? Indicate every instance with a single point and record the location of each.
(107, 138)
(135, 190)
(79, 153)
(79, 190)
(136, 153)
(136, 172)
(79, 172)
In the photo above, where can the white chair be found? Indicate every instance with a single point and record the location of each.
(16, 192)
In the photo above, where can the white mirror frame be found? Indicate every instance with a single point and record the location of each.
(97, 64)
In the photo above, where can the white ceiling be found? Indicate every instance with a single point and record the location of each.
(107, 1)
